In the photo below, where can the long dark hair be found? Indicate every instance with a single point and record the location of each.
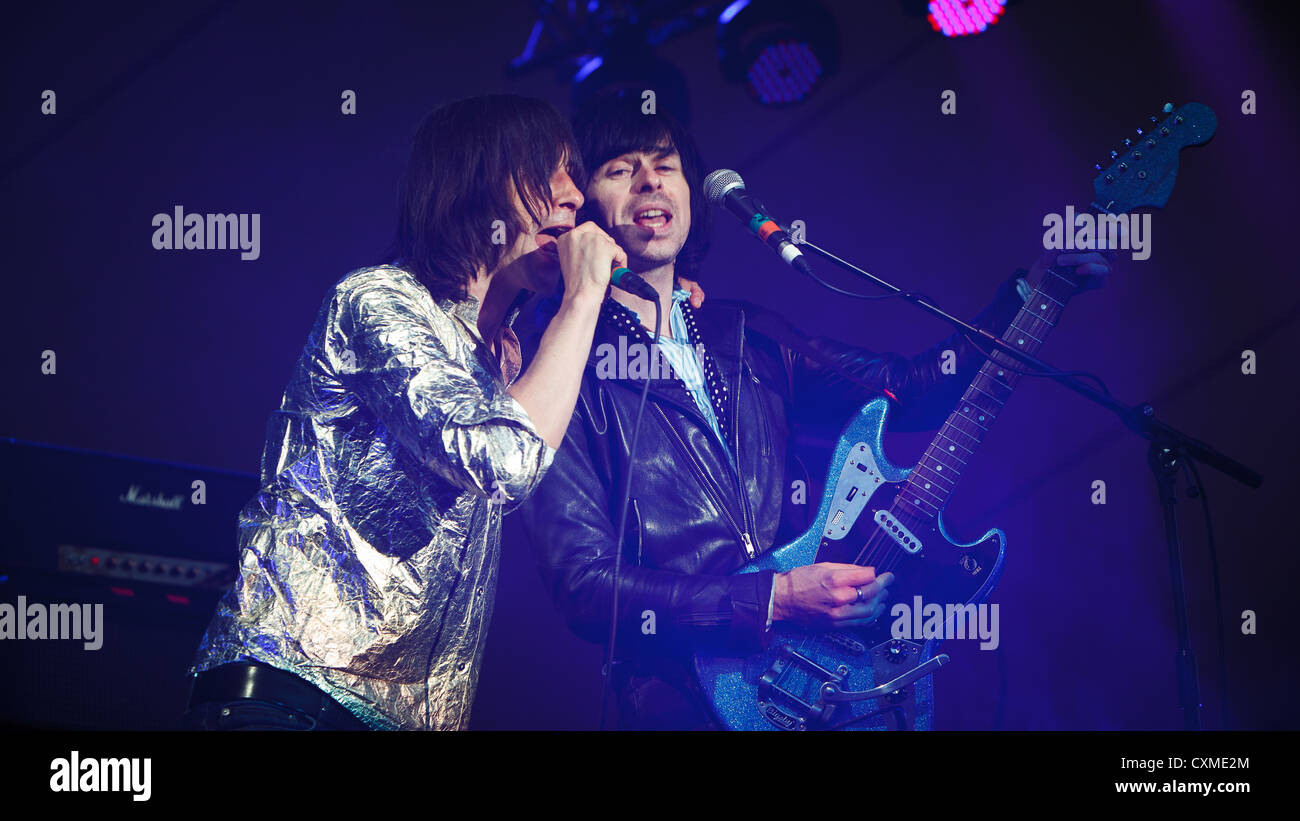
(613, 125)
(469, 160)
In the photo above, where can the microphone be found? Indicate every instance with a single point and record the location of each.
(725, 188)
(623, 278)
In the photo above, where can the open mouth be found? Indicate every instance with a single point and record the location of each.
(654, 218)
(546, 237)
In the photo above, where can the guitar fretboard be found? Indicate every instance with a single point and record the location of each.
(932, 481)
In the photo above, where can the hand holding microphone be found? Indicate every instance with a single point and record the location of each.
(591, 261)
(588, 256)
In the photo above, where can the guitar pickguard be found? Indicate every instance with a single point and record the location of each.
(859, 479)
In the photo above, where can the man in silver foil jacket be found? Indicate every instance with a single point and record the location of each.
(368, 559)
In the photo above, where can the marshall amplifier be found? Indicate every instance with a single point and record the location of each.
(110, 568)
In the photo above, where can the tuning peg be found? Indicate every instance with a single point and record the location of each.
(1127, 142)
(1139, 132)
(1152, 118)
(1097, 166)
(1114, 154)
(1169, 107)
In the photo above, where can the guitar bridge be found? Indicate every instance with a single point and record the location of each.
(790, 692)
(797, 693)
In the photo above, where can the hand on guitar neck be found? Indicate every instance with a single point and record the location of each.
(1090, 267)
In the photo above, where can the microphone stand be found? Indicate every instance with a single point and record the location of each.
(1168, 446)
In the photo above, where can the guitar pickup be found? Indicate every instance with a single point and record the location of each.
(897, 531)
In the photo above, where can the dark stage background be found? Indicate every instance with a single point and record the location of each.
(235, 107)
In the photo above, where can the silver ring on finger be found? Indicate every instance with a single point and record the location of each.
(860, 597)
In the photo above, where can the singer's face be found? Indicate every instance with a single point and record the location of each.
(532, 261)
(644, 203)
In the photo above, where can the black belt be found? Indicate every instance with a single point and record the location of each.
(261, 682)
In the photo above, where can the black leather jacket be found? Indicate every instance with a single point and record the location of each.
(694, 516)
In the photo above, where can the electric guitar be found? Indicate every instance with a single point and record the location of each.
(891, 518)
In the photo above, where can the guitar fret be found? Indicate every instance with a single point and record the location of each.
(1038, 314)
(916, 503)
(921, 504)
(935, 465)
(966, 410)
(956, 444)
(936, 498)
(972, 398)
(971, 435)
(1005, 361)
(935, 476)
(943, 456)
(1035, 326)
(938, 469)
(1028, 334)
(989, 395)
(908, 503)
(952, 425)
(993, 385)
(975, 413)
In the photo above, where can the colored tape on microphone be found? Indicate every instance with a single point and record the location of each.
(763, 226)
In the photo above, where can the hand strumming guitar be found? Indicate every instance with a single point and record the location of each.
(830, 594)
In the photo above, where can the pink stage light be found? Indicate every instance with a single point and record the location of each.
(957, 18)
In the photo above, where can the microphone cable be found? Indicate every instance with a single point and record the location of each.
(608, 671)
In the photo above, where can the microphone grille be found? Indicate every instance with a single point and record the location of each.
(717, 184)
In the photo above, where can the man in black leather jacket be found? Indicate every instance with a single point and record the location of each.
(711, 484)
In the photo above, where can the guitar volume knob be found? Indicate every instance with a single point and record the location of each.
(896, 652)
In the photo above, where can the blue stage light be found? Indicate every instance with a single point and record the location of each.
(781, 52)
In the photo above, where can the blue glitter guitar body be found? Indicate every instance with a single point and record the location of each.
(815, 680)
(875, 514)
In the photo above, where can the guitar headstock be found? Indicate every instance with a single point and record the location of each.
(1144, 173)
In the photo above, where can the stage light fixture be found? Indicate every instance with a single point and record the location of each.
(781, 52)
(958, 18)
(632, 70)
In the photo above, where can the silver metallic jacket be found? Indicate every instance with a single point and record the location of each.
(368, 559)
